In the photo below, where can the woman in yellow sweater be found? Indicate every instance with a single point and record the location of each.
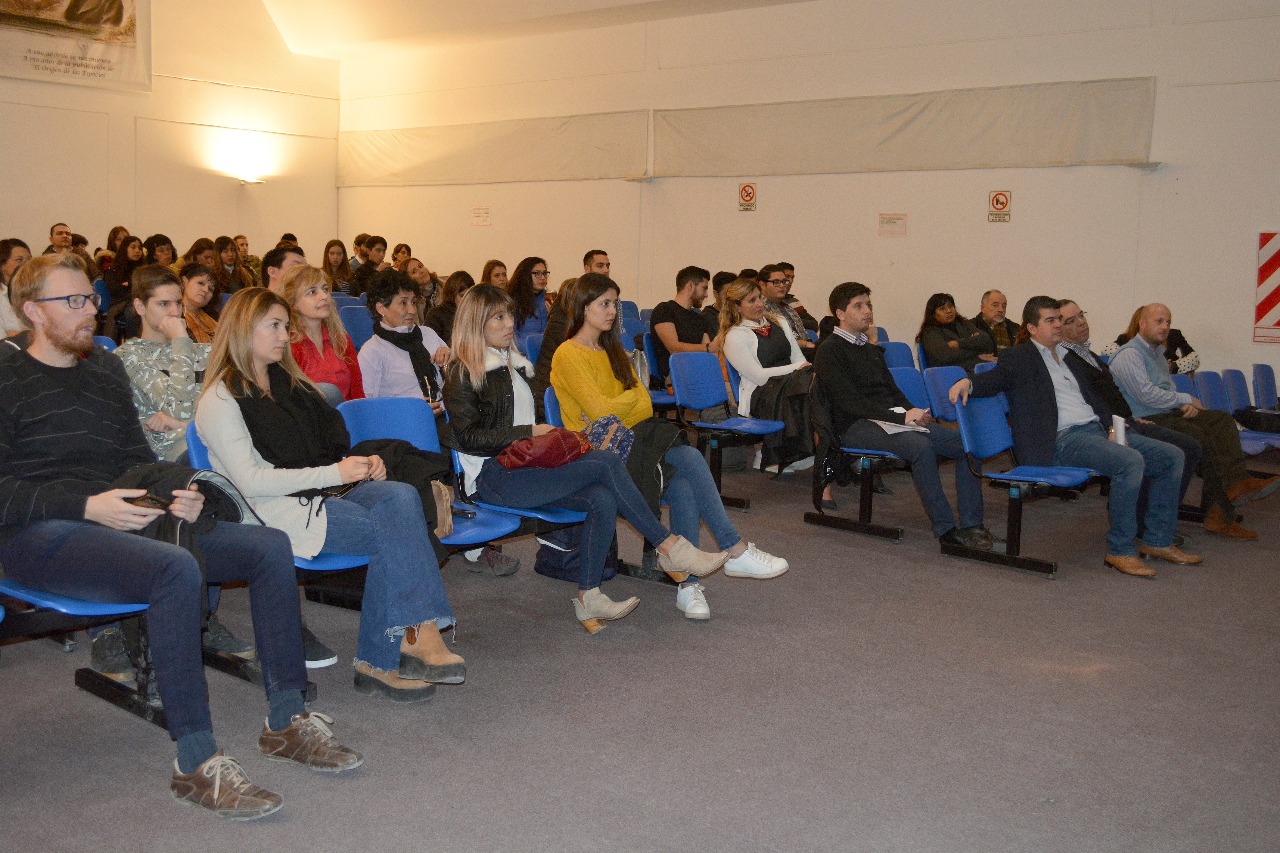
(592, 378)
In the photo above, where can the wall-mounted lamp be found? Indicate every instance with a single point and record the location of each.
(246, 155)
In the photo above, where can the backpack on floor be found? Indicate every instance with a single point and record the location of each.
(560, 557)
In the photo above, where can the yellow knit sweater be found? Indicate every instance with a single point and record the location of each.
(588, 390)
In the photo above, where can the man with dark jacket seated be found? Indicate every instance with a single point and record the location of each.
(1057, 418)
(68, 433)
(853, 376)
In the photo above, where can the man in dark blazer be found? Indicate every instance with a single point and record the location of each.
(1057, 418)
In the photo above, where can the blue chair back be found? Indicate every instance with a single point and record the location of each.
(407, 418)
(627, 308)
(1183, 384)
(1237, 389)
(358, 322)
(938, 381)
(911, 384)
(651, 356)
(631, 327)
(100, 288)
(342, 300)
(533, 348)
(105, 342)
(645, 314)
(920, 359)
(811, 335)
(983, 366)
(897, 354)
(984, 431)
(1212, 392)
(1264, 386)
(551, 403)
(735, 379)
(882, 336)
(197, 453)
(697, 381)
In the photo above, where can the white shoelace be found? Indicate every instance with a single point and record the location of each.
(224, 765)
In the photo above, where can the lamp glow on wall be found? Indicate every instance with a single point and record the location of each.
(246, 155)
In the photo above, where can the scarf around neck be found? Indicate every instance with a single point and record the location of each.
(411, 342)
(294, 427)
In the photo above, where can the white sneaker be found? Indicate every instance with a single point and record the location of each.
(691, 600)
(799, 465)
(754, 563)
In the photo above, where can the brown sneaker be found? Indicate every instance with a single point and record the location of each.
(1252, 489)
(309, 741)
(221, 786)
(1215, 521)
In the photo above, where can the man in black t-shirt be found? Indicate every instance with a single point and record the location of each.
(677, 324)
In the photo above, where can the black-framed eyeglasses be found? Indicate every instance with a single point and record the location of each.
(541, 274)
(775, 281)
(1072, 321)
(75, 301)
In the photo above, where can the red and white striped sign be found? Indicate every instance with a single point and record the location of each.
(1266, 313)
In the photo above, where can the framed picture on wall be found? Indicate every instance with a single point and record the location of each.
(101, 43)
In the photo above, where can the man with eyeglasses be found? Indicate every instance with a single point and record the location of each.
(773, 282)
(789, 272)
(1058, 419)
(68, 433)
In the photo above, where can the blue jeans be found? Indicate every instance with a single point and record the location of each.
(597, 484)
(85, 560)
(1086, 446)
(922, 452)
(403, 587)
(692, 498)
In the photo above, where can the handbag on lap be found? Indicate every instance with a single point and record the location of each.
(549, 450)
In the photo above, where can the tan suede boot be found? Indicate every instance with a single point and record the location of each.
(423, 657)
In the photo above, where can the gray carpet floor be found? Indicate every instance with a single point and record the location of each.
(877, 697)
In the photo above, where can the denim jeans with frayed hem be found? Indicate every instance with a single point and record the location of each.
(403, 587)
(692, 498)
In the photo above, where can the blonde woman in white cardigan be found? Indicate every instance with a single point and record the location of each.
(270, 432)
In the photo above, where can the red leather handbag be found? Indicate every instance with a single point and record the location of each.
(549, 450)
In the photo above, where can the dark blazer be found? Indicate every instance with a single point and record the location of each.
(1102, 381)
(1033, 407)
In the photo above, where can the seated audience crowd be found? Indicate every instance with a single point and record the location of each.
(94, 445)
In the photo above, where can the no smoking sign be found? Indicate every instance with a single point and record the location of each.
(998, 204)
(746, 197)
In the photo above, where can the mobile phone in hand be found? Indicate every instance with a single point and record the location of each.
(150, 501)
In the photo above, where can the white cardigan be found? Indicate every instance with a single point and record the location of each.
(232, 454)
(740, 349)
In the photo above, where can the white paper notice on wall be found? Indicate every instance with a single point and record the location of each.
(746, 197)
(480, 217)
(998, 205)
(892, 225)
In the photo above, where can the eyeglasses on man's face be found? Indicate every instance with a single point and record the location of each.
(1071, 321)
(75, 301)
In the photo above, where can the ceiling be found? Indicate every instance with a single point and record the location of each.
(335, 29)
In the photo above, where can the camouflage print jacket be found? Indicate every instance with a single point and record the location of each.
(165, 378)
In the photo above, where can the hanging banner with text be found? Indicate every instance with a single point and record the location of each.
(101, 43)
(1266, 312)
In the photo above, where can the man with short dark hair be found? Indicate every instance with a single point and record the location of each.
(597, 261)
(865, 403)
(252, 263)
(1057, 418)
(773, 283)
(992, 319)
(59, 238)
(807, 319)
(677, 326)
(375, 252)
(1141, 371)
(277, 262)
(68, 434)
(359, 254)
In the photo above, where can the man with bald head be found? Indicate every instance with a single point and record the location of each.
(1142, 373)
(993, 320)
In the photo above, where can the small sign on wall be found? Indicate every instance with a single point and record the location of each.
(746, 197)
(998, 205)
(480, 217)
(892, 225)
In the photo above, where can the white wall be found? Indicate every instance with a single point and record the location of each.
(224, 93)
(1111, 237)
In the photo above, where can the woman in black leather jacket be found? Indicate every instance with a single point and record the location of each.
(490, 406)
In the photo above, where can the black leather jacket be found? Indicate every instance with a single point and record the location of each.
(480, 422)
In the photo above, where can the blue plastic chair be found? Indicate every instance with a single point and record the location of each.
(983, 367)
(104, 342)
(198, 454)
(533, 348)
(645, 314)
(882, 337)
(1212, 391)
(1264, 387)
(358, 322)
(411, 419)
(342, 300)
(104, 293)
(627, 308)
(661, 399)
(984, 432)
(897, 354)
(1184, 384)
(920, 357)
(811, 335)
(938, 382)
(1237, 389)
(911, 384)
(632, 327)
(698, 385)
(551, 405)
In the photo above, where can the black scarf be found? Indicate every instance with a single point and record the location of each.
(294, 427)
(411, 342)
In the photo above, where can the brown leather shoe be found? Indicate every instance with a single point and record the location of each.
(1171, 554)
(1130, 566)
(221, 786)
(1215, 521)
(1252, 489)
(309, 741)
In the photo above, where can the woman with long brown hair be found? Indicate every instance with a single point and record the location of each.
(337, 266)
(319, 342)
